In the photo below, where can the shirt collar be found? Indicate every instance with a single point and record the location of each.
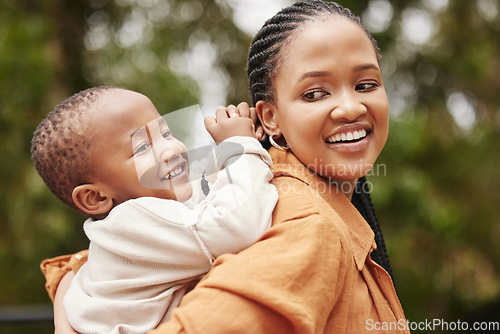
(363, 238)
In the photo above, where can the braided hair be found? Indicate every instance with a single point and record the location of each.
(61, 149)
(264, 62)
(362, 201)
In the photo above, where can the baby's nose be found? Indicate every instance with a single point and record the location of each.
(168, 150)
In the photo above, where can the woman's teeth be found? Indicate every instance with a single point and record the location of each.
(347, 136)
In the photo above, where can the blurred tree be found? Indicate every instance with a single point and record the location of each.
(33, 69)
(436, 187)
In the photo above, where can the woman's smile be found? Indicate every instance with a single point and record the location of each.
(350, 137)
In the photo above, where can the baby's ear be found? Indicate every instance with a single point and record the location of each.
(267, 116)
(91, 200)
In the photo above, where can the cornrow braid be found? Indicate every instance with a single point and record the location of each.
(265, 51)
(60, 148)
(263, 64)
(362, 201)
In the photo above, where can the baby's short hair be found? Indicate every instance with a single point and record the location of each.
(61, 147)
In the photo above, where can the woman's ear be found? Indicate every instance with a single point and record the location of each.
(267, 116)
(91, 200)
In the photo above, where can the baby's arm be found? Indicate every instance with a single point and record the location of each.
(239, 207)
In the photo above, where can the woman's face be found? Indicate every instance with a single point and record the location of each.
(331, 105)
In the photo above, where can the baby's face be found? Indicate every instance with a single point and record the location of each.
(160, 159)
(136, 154)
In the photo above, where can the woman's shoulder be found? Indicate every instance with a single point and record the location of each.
(295, 199)
(298, 200)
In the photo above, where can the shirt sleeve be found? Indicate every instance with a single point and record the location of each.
(287, 282)
(239, 207)
(54, 269)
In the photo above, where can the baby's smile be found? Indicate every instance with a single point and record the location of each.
(179, 171)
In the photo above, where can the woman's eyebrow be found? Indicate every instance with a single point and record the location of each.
(368, 66)
(357, 68)
(314, 74)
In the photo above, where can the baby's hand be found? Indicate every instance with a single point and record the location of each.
(233, 121)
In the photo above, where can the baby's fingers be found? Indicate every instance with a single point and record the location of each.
(210, 123)
(221, 113)
(253, 115)
(244, 109)
(232, 111)
(259, 131)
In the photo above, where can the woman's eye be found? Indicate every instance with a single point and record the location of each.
(366, 86)
(314, 95)
(141, 148)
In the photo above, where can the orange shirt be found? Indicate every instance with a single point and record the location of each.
(54, 269)
(310, 273)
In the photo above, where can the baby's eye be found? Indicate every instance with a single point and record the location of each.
(141, 148)
(166, 133)
(314, 95)
(366, 86)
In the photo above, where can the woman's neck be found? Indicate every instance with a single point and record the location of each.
(345, 186)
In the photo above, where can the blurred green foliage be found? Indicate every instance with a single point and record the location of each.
(438, 191)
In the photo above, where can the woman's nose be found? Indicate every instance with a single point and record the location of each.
(348, 105)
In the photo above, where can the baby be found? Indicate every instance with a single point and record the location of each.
(108, 153)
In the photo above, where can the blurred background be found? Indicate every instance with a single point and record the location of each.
(437, 195)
